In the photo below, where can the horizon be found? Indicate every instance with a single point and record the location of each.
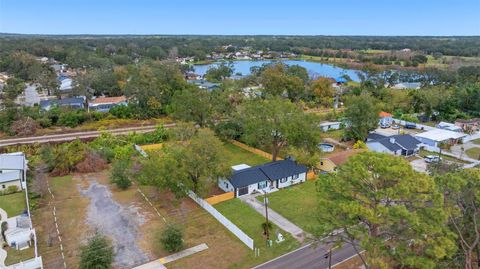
(268, 18)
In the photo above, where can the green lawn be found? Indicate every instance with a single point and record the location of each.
(235, 155)
(473, 153)
(250, 222)
(297, 204)
(14, 204)
(15, 256)
(476, 141)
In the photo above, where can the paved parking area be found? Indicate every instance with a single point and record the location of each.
(419, 165)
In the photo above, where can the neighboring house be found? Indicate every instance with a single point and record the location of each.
(203, 84)
(436, 137)
(267, 177)
(74, 102)
(385, 118)
(192, 76)
(331, 163)
(330, 125)
(449, 127)
(405, 145)
(407, 85)
(13, 170)
(65, 84)
(103, 104)
(469, 126)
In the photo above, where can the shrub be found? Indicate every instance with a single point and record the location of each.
(11, 189)
(265, 225)
(97, 254)
(360, 145)
(72, 118)
(92, 162)
(119, 174)
(171, 239)
(24, 126)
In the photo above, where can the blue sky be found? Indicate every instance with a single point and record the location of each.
(299, 17)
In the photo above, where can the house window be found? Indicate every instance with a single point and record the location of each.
(283, 180)
(226, 185)
(262, 185)
(295, 177)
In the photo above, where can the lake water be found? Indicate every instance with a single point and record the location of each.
(314, 69)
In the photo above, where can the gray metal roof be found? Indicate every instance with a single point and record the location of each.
(269, 171)
(12, 162)
(405, 141)
(9, 176)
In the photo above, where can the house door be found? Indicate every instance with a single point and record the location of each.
(242, 191)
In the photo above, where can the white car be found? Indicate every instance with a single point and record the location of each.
(432, 159)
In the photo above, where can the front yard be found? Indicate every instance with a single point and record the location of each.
(297, 204)
(424, 153)
(250, 222)
(473, 153)
(14, 204)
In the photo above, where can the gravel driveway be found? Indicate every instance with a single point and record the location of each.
(117, 222)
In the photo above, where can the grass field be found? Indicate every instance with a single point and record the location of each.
(235, 155)
(476, 141)
(250, 221)
(297, 204)
(473, 153)
(14, 204)
(15, 256)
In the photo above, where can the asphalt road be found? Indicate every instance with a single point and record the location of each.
(309, 257)
(80, 135)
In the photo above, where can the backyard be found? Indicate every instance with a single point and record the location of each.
(14, 204)
(250, 222)
(235, 155)
(297, 204)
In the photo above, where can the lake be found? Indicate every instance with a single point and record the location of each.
(314, 69)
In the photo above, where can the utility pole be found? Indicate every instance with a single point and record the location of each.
(330, 259)
(265, 201)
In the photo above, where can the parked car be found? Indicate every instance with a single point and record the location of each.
(432, 159)
(384, 125)
(396, 127)
(410, 125)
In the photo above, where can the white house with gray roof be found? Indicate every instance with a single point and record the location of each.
(266, 177)
(404, 145)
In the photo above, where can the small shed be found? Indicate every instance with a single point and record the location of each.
(330, 125)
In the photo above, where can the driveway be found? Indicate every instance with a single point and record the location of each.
(419, 165)
(276, 218)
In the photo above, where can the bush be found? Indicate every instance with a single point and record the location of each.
(119, 174)
(72, 118)
(265, 225)
(11, 189)
(92, 162)
(97, 254)
(171, 239)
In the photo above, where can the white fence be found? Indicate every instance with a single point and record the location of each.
(223, 220)
(35, 263)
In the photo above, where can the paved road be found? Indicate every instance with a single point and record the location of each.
(276, 218)
(73, 136)
(310, 257)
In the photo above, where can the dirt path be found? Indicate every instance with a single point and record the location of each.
(118, 222)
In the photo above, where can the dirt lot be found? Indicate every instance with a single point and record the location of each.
(87, 202)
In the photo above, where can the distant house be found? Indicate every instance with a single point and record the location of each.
(13, 170)
(74, 102)
(330, 125)
(449, 127)
(405, 145)
(203, 84)
(340, 80)
(472, 125)
(65, 84)
(385, 118)
(330, 163)
(267, 177)
(103, 104)
(192, 76)
(436, 137)
(407, 85)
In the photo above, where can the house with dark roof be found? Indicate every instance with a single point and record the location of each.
(74, 103)
(405, 145)
(266, 177)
